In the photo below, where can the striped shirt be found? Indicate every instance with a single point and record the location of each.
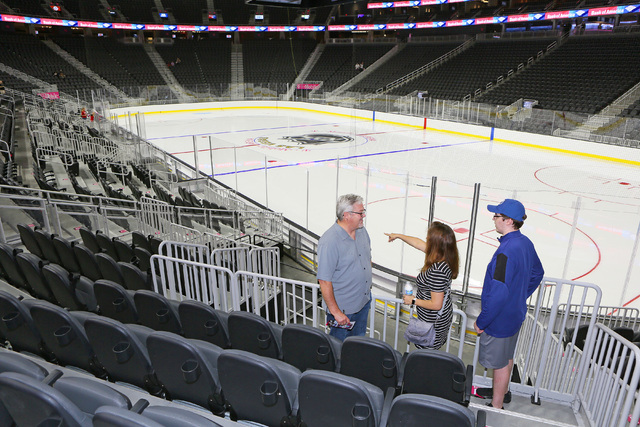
(436, 279)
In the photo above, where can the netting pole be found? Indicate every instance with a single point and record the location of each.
(472, 232)
(574, 225)
(211, 155)
(307, 216)
(235, 166)
(337, 177)
(266, 186)
(432, 199)
(404, 220)
(195, 155)
(366, 189)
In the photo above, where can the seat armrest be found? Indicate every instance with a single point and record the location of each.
(481, 419)
(468, 384)
(403, 362)
(386, 407)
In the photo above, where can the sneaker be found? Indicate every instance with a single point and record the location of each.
(491, 406)
(487, 393)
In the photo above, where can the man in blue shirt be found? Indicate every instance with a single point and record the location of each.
(344, 268)
(514, 273)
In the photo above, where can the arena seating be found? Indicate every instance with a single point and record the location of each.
(275, 61)
(121, 64)
(580, 75)
(411, 57)
(337, 63)
(68, 274)
(136, 11)
(187, 12)
(29, 55)
(170, 366)
(85, 9)
(205, 64)
(231, 12)
(469, 70)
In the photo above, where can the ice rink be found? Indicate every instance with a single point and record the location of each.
(583, 211)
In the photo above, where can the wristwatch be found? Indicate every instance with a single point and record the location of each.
(413, 302)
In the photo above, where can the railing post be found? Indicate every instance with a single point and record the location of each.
(195, 156)
(574, 225)
(472, 231)
(432, 200)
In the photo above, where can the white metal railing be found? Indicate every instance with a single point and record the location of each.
(179, 279)
(186, 251)
(277, 299)
(549, 361)
(609, 316)
(608, 391)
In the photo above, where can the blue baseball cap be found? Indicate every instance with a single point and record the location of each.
(509, 207)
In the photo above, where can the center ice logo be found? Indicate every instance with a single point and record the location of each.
(301, 141)
(318, 138)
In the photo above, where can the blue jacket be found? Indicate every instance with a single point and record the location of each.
(514, 273)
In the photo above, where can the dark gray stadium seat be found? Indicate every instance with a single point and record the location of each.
(73, 292)
(306, 347)
(13, 362)
(134, 278)
(203, 322)
(416, 410)
(109, 268)
(120, 351)
(115, 302)
(56, 399)
(251, 332)
(332, 399)
(32, 403)
(144, 259)
(106, 245)
(45, 242)
(371, 360)
(140, 240)
(89, 240)
(31, 267)
(29, 241)
(188, 369)
(64, 335)
(450, 379)
(157, 312)
(10, 271)
(257, 388)
(64, 248)
(123, 250)
(17, 327)
(87, 261)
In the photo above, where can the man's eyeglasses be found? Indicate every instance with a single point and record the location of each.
(364, 211)
(500, 216)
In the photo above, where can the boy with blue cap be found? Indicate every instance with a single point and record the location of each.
(514, 273)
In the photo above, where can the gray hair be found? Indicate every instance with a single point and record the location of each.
(345, 204)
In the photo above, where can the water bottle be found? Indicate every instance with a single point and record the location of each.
(408, 288)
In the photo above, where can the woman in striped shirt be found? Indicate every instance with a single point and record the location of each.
(434, 281)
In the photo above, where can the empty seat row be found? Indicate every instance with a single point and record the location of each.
(35, 326)
(244, 385)
(78, 265)
(73, 256)
(30, 395)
